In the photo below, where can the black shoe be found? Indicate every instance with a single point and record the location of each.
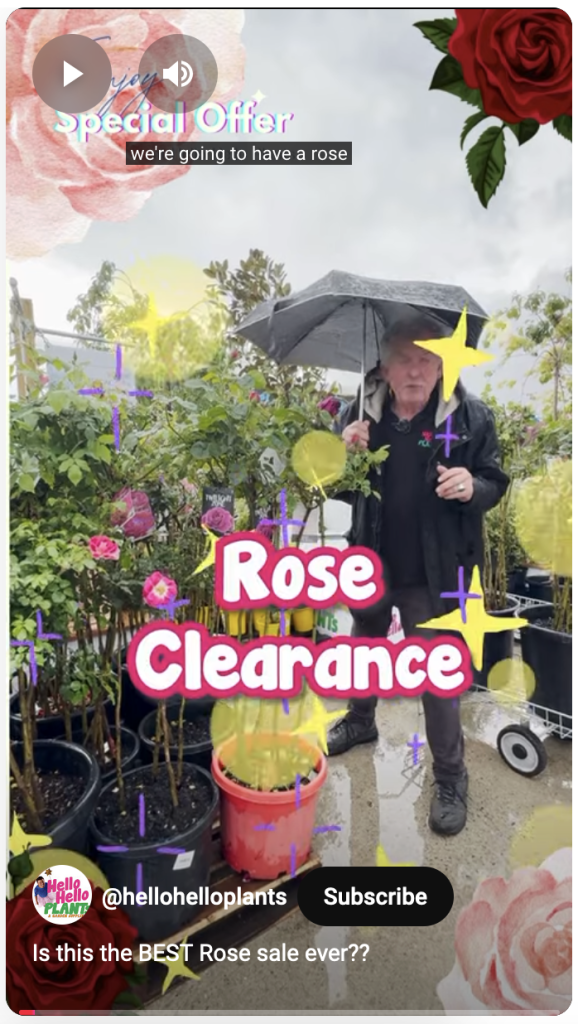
(350, 731)
(449, 807)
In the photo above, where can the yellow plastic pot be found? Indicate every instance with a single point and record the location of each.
(236, 623)
(303, 619)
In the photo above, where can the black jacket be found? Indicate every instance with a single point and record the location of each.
(452, 533)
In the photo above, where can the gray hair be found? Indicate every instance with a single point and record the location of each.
(410, 327)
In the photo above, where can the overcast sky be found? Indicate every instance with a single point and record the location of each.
(405, 209)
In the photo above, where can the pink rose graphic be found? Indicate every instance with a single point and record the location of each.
(103, 547)
(57, 185)
(218, 520)
(514, 945)
(134, 514)
(159, 590)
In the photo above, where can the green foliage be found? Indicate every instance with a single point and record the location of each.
(449, 77)
(486, 163)
(471, 122)
(540, 324)
(524, 130)
(438, 31)
(563, 126)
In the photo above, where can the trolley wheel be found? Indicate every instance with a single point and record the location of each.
(522, 750)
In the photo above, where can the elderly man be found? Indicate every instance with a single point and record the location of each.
(426, 524)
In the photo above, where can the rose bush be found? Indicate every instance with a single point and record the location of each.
(330, 404)
(514, 945)
(103, 547)
(219, 520)
(52, 986)
(57, 185)
(159, 590)
(519, 58)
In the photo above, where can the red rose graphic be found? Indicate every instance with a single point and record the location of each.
(519, 58)
(86, 985)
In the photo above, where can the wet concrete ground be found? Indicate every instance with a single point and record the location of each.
(378, 796)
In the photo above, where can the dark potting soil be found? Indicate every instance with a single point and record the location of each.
(304, 781)
(59, 792)
(544, 623)
(162, 820)
(197, 730)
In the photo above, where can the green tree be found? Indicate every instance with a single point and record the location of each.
(542, 327)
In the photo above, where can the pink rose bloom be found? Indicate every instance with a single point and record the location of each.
(57, 185)
(103, 547)
(134, 514)
(514, 945)
(330, 404)
(265, 529)
(159, 590)
(218, 520)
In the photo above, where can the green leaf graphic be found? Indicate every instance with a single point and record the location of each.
(449, 78)
(470, 123)
(438, 31)
(563, 126)
(486, 163)
(525, 130)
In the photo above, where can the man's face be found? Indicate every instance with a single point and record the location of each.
(411, 372)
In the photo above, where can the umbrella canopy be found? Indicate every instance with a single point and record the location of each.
(339, 321)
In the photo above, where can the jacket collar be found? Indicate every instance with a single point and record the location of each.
(376, 394)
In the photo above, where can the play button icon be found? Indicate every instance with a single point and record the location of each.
(72, 74)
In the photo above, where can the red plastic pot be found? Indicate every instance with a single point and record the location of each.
(247, 846)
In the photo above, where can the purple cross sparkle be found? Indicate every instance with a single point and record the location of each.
(138, 393)
(415, 744)
(447, 436)
(171, 607)
(461, 593)
(30, 644)
(283, 522)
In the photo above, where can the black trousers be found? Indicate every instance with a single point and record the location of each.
(442, 714)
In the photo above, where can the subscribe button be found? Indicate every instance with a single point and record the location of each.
(375, 896)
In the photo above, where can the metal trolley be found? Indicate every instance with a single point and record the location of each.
(521, 744)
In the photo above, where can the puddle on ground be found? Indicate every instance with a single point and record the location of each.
(334, 848)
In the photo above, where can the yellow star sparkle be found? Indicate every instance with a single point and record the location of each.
(455, 354)
(383, 861)
(177, 968)
(318, 722)
(20, 840)
(211, 557)
(477, 623)
(152, 321)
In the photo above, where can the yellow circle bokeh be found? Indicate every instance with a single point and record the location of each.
(511, 682)
(546, 830)
(258, 743)
(182, 327)
(319, 458)
(543, 517)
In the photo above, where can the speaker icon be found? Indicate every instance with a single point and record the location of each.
(180, 69)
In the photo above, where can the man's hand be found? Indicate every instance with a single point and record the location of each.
(455, 484)
(356, 435)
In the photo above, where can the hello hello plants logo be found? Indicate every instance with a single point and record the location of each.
(62, 894)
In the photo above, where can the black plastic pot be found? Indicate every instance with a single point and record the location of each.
(71, 831)
(538, 585)
(159, 871)
(517, 581)
(497, 646)
(195, 753)
(549, 655)
(130, 747)
(134, 704)
(52, 727)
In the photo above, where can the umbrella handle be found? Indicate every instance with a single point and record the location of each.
(363, 354)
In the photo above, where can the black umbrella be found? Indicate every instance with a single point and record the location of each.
(327, 324)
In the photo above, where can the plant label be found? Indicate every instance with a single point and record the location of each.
(183, 860)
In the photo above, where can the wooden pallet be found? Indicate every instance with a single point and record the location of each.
(227, 927)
